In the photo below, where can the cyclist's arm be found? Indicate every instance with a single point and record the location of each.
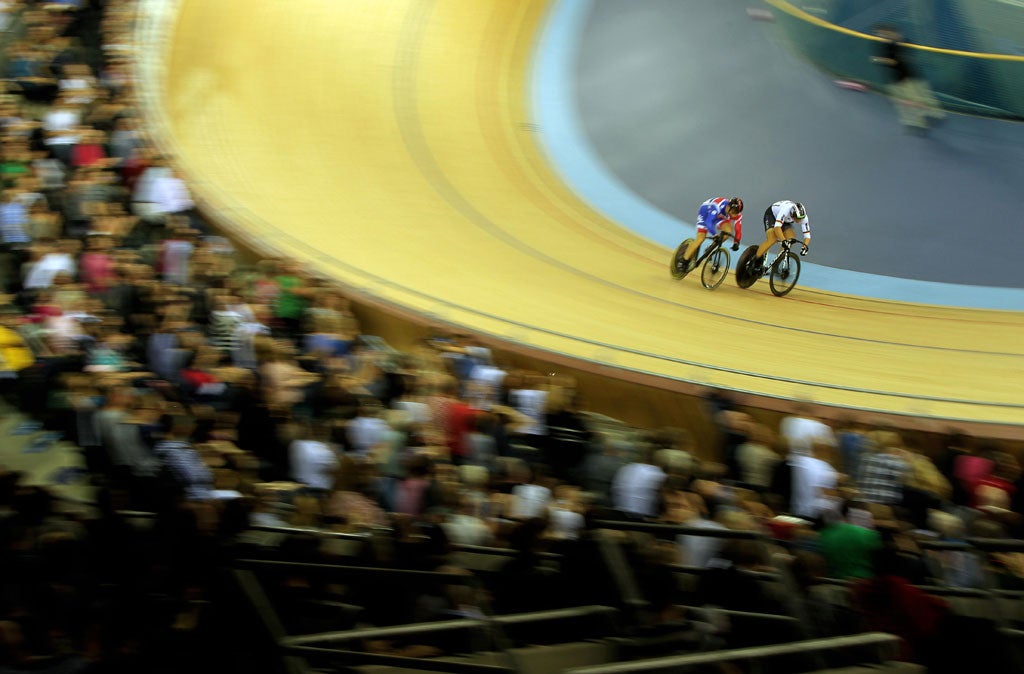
(806, 229)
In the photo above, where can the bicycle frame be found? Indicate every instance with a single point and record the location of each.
(784, 247)
(716, 242)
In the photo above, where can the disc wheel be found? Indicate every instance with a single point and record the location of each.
(677, 267)
(715, 269)
(785, 273)
(745, 279)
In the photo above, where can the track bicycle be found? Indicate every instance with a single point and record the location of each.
(715, 259)
(782, 271)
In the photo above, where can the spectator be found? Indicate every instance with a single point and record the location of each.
(532, 496)
(291, 300)
(802, 430)
(353, 503)
(368, 432)
(884, 470)
(814, 482)
(55, 258)
(417, 493)
(849, 548)
(601, 467)
(313, 461)
(891, 604)
(911, 93)
(756, 458)
(637, 486)
(61, 125)
(182, 460)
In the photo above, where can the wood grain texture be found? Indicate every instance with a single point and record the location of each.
(389, 146)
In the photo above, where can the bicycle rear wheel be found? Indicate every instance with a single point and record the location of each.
(744, 278)
(785, 273)
(715, 269)
(676, 267)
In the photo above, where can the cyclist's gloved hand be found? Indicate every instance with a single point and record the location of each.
(735, 244)
(805, 250)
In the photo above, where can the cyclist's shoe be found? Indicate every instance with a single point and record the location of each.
(756, 266)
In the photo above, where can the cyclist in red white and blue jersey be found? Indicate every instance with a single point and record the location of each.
(720, 214)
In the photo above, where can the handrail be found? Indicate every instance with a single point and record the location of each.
(413, 664)
(500, 552)
(997, 544)
(757, 652)
(367, 571)
(322, 533)
(446, 625)
(553, 614)
(678, 529)
(383, 632)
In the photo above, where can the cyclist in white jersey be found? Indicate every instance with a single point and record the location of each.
(779, 220)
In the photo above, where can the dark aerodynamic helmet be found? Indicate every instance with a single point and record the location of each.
(798, 212)
(736, 204)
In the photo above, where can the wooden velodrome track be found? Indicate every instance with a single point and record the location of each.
(389, 145)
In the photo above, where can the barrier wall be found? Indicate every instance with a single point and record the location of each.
(967, 81)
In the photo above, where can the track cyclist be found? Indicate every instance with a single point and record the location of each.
(779, 220)
(719, 214)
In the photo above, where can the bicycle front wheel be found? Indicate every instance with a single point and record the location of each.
(785, 273)
(715, 269)
(677, 267)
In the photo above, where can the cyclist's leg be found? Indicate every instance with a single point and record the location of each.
(694, 246)
(723, 229)
(770, 237)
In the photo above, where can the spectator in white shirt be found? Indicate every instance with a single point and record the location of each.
(803, 429)
(566, 513)
(56, 259)
(61, 126)
(636, 487)
(814, 482)
(171, 194)
(463, 527)
(313, 460)
(368, 430)
(160, 192)
(530, 498)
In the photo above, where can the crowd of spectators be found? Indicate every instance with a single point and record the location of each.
(220, 395)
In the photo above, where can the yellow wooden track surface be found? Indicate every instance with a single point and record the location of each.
(388, 145)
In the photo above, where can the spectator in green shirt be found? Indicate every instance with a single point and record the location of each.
(292, 298)
(848, 548)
